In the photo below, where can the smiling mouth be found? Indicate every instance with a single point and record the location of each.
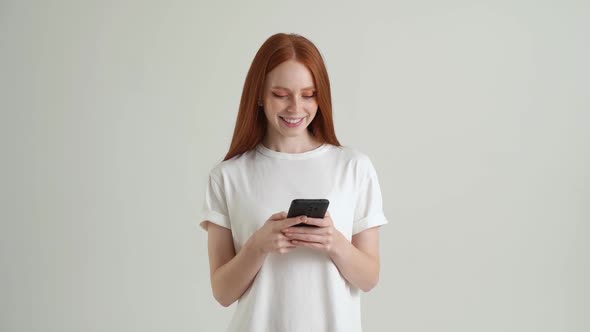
(291, 120)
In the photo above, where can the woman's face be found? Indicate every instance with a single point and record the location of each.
(289, 99)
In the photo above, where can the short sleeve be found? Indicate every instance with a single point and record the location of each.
(369, 203)
(215, 206)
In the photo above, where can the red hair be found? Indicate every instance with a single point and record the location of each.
(251, 122)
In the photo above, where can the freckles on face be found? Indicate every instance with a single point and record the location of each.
(287, 109)
(290, 95)
(282, 99)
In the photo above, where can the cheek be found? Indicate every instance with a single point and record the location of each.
(312, 108)
(269, 114)
(274, 106)
(271, 109)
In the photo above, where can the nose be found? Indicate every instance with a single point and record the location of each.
(296, 106)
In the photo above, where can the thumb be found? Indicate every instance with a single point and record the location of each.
(278, 216)
(294, 221)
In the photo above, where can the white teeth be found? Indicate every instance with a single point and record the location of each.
(291, 120)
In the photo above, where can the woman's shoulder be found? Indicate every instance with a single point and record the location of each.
(353, 154)
(227, 167)
(357, 160)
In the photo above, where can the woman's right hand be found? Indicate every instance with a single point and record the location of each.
(270, 239)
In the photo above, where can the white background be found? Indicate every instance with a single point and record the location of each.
(475, 115)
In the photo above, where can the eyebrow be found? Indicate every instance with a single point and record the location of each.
(280, 87)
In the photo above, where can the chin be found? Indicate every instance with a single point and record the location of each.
(293, 133)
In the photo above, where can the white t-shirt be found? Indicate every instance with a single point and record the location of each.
(302, 290)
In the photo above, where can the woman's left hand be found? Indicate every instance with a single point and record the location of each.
(325, 237)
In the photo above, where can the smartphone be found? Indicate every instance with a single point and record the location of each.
(313, 208)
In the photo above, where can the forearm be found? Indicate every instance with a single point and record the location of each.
(357, 267)
(233, 278)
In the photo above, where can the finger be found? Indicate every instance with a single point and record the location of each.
(278, 216)
(287, 244)
(307, 237)
(293, 221)
(308, 244)
(318, 222)
(306, 230)
(283, 238)
(286, 249)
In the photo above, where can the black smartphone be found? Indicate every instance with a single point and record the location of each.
(313, 208)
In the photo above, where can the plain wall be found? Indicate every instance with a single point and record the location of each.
(475, 115)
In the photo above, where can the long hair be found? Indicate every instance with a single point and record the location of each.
(251, 122)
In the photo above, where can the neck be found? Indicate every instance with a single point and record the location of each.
(296, 144)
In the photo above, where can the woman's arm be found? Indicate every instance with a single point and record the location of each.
(358, 260)
(231, 274)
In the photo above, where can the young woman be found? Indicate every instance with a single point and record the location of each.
(290, 278)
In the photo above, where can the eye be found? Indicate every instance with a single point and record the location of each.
(279, 96)
(310, 96)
